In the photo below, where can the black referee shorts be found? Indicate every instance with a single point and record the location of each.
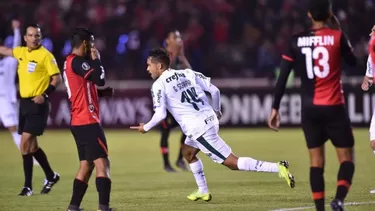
(321, 123)
(32, 117)
(169, 122)
(91, 142)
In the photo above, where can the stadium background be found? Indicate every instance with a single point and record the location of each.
(236, 42)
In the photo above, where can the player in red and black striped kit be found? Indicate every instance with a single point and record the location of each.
(316, 55)
(83, 71)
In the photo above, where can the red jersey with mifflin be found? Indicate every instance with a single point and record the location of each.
(316, 54)
(81, 77)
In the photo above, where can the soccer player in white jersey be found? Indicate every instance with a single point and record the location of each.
(367, 82)
(8, 94)
(182, 92)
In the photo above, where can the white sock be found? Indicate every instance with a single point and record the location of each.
(200, 178)
(17, 139)
(250, 164)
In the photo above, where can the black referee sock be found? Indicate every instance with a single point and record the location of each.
(344, 179)
(28, 169)
(79, 190)
(103, 186)
(317, 187)
(41, 157)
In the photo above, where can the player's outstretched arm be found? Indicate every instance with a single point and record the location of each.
(159, 101)
(159, 115)
(5, 51)
(285, 69)
(16, 33)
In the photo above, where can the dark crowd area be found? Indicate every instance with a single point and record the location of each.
(222, 38)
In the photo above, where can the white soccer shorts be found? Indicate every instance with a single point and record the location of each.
(8, 112)
(211, 144)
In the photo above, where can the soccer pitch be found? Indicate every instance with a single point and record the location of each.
(139, 183)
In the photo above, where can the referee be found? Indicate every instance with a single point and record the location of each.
(38, 75)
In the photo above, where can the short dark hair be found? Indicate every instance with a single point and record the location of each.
(320, 10)
(80, 35)
(32, 25)
(172, 30)
(160, 55)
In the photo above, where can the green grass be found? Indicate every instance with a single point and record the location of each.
(139, 183)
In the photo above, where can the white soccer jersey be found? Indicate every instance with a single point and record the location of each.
(8, 70)
(369, 69)
(182, 92)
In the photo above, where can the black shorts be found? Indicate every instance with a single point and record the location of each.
(321, 123)
(169, 122)
(91, 142)
(32, 117)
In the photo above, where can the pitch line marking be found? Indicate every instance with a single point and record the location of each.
(310, 207)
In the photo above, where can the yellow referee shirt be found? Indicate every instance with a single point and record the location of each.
(35, 69)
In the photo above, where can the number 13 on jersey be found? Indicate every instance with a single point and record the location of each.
(320, 54)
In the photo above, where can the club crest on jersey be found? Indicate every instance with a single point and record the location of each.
(85, 66)
(91, 108)
(176, 76)
(31, 66)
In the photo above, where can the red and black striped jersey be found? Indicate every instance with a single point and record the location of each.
(81, 77)
(316, 56)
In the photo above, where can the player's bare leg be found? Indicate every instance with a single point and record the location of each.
(317, 161)
(344, 177)
(80, 184)
(103, 182)
(249, 164)
(196, 166)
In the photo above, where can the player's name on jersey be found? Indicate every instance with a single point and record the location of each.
(327, 40)
(184, 84)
